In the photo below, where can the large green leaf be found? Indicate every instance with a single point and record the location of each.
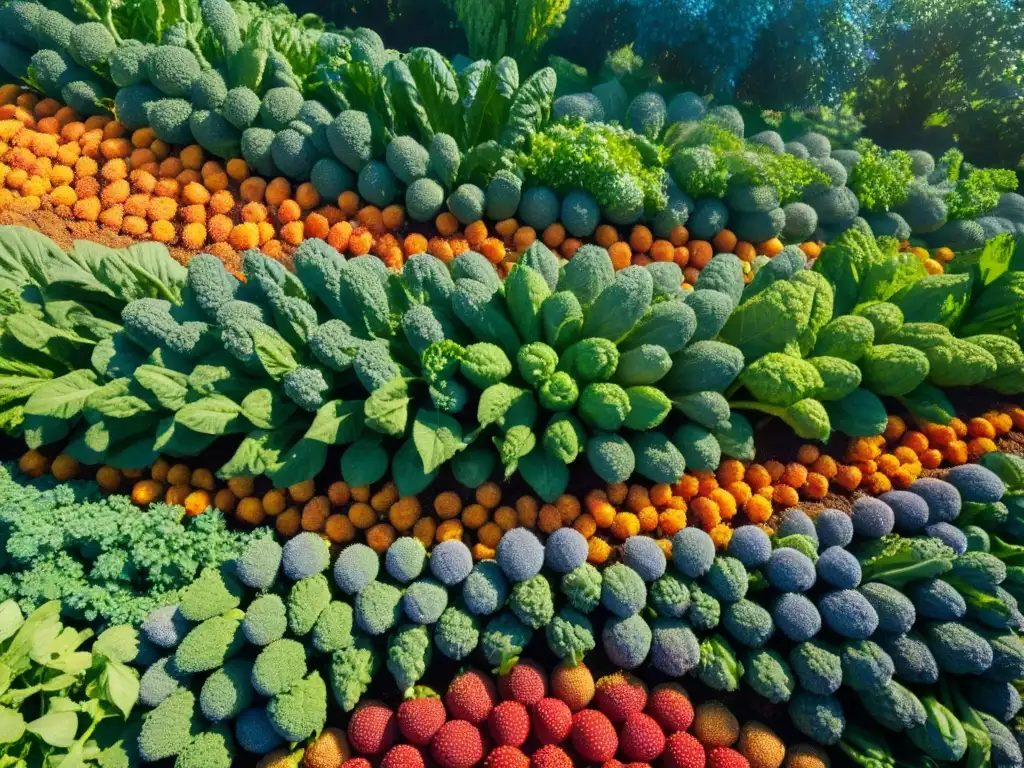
(266, 409)
(258, 452)
(438, 91)
(302, 462)
(337, 423)
(486, 107)
(548, 476)
(214, 415)
(407, 469)
(169, 388)
(410, 114)
(387, 408)
(142, 270)
(64, 397)
(437, 437)
(530, 108)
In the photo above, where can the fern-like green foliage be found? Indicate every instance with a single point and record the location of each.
(880, 179)
(496, 28)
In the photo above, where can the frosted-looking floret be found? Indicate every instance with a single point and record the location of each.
(872, 518)
(943, 499)
(949, 535)
(910, 511)
(451, 562)
(674, 648)
(165, 626)
(485, 589)
(848, 613)
(693, 551)
(259, 563)
(626, 641)
(305, 555)
(976, 483)
(796, 521)
(424, 601)
(566, 549)
(356, 566)
(839, 568)
(790, 571)
(835, 529)
(520, 555)
(643, 555)
(405, 559)
(796, 617)
(751, 546)
(622, 590)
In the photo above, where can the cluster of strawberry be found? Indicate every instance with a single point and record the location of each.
(516, 724)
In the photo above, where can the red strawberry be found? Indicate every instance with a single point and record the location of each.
(593, 736)
(509, 723)
(612, 764)
(550, 756)
(402, 756)
(507, 757)
(642, 737)
(356, 762)
(637, 765)
(457, 744)
(372, 728)
(619, 695)
(683, 751)
(470, 697)
(419, 719)
(525, 683)
(669, 705)
(724, 757)
(551, 720)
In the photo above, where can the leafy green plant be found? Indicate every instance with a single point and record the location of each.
(600, 159)
(519, 29)
(880, 179)
(61, 704)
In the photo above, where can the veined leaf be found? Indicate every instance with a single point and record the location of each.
(266, 409)
(258, 453)
(387, 408)
(117, 399)
(485, 107)
(517, 442)
(530, 108)
(212, 415)
(302, 462)
(337, 423)
(169, 388)
(275, 354)
(548, 476)
(15, 388)
(143, 270)
(438, 91)
(405, 97)
(176, 439)
(64, 397)
(407, 469)
(437, 437)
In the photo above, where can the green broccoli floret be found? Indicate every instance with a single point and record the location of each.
(587, 275)
(582, 587)
(839, 377)
(169, 119)
(52, 70)
(255, 147)
(293, 153)
(895, 707)
(604, 405)
(656, 457)
(819, 717)
(866, 667)
(210, 644)
(240, 107)
(893, 370)
(620, 306)
(53, 30)
(484, 364)
(377, 185)
(532, 602)
(86, 96)
(168, 729)
(718, 667)
(423, 199)
(503, 194)
(172, 70)
(352, 670)
(279, 667)
(611, 457)
(409, 655)
(483, 310)
(780, 379)
(444, 161)
(704, 366)
(504, 639)
(767, 673)
(407, 159)
(212, 749)
(467, 203)
(570, 636)
(227, 691)
(456, 633)
(378, 607)
(91, 44)
(351, 139)
(818, 667)
(215, 134)
(214, 592)
(301, 711)
(208, 91)
(279, 107)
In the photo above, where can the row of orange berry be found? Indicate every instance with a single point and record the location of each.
(736, 494)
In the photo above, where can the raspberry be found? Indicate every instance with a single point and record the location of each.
(402, 756)
(550, 756)
(507, 757)
(419, 719)
(525, 683)
(457, 744)
(372, 728)
(551, 720)
(470, 697)
(593, 736)
(683, 751)
(642, 737)
(509, 724)
(620, 694)
(670, 707)
(356, 762)
(723, 757)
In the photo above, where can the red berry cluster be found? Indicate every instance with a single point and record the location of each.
(520, 726)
